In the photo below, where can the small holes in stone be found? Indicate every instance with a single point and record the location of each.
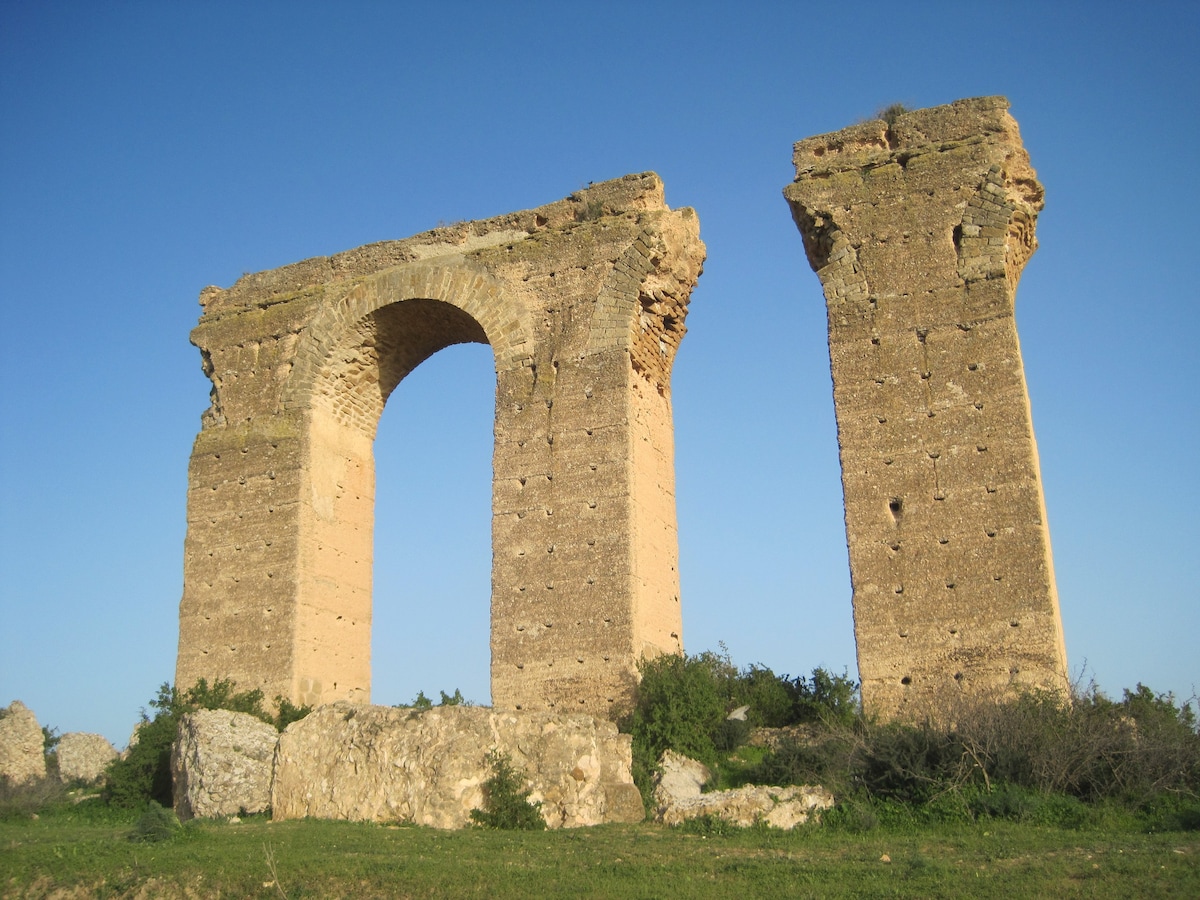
(958, 676)
(906, 680)
(972, 366)
(896, 508)
(1014, 624)
(881, 419)
(899, 589)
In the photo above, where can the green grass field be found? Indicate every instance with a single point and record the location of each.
(65, 856)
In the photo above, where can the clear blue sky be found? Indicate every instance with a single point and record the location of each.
(150, 149)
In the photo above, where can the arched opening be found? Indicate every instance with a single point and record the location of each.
(335, 634)
(433, 540)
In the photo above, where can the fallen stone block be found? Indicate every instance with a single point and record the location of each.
(386, 764)
(678, 797)
(83, 757)
(221, 764)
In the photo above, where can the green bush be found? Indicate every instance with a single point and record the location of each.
(892, 112)
(684, 702)
(423, 702)
(156, 824)
(22, 800)
(828, 698)
(506, 801)
(288, 712)
(1040, 757)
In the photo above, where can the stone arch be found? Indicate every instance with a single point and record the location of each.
(277, 562)
(350, 359)
(505, 326)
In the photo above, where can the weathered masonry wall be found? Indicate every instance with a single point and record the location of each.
(583, 303)
(919, 231)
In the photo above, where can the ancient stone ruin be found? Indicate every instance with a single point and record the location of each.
(583, 304)
(22, 745)
(428, 767)
(919, 229)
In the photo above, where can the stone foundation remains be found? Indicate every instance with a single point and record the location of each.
(583, 304)
(387, 764)
(919, 229)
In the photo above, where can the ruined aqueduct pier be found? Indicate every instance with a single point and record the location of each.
(919, 230)
(583, 303)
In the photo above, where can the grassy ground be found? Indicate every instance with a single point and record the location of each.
(65, 856)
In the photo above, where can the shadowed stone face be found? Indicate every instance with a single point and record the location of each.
(919, 231)
(583, 303)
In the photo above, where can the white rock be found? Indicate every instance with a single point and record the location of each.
(384, 764)
(22, 747)
(221, 764)
(678, 797)
(83, 757)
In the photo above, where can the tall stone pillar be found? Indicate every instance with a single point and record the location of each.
(582, 302)
(918, 229)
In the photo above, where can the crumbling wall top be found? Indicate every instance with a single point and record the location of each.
(629, 194)
(973, 121)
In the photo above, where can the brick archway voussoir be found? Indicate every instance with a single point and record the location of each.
(473, 290)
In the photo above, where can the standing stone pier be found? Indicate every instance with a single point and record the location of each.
(918, 229)
(583, 304)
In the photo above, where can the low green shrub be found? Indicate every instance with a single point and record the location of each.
(684, 702)
(156, 824)
(1040, 757)
(423, 702)
(506, 802)
(288, 712)
(24, 799)
(892, 112)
